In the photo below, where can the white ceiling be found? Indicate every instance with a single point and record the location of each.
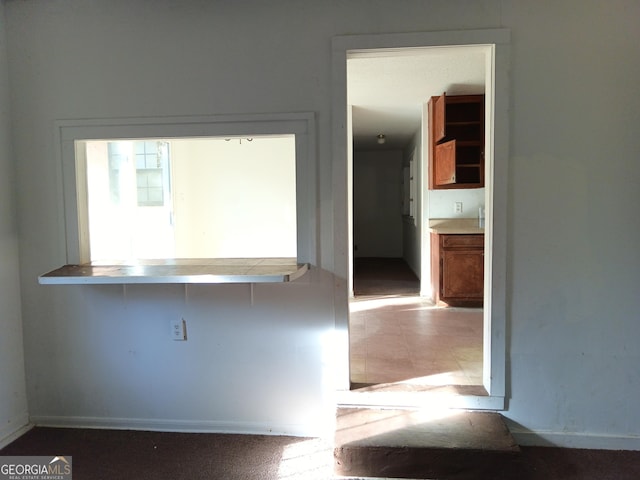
(388, 87)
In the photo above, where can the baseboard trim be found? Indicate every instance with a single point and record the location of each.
(576, 440)
(11, 432)
(414, 399)
(183, 426)
(523, 438)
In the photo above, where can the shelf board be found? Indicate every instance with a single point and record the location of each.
(216, 270)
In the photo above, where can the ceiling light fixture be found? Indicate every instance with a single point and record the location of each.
(381, 139)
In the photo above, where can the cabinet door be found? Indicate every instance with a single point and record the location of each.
(445, 163)
(460, 118)
(462, 274)
(439, 120)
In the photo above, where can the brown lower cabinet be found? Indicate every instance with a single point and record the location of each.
(457, 269)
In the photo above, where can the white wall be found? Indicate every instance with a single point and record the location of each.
(441, 202)
(13, 399)
(234, 199)
(256, 359)
(572, 236)
(377, 203)
(574, 269)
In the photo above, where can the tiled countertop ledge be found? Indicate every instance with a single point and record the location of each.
(211, 270)
(455, 226)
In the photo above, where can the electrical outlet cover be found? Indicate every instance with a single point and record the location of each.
(179, 329)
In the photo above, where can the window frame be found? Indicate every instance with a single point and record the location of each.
(69, 132)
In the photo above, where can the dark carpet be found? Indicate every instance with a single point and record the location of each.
(384, 276)
(117, 454)
(124, 454)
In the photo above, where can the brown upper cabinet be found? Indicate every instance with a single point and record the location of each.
(456, 141)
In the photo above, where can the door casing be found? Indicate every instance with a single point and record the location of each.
(494, 340)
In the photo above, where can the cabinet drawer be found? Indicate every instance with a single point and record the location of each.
(462, 240)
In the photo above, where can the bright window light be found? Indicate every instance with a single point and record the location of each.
(189, 198)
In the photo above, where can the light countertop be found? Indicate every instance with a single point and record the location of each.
(455, 226)
(230, 270)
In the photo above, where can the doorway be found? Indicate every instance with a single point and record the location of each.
(396, 335)
(493, 318)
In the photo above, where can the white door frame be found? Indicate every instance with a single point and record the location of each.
(494, 362)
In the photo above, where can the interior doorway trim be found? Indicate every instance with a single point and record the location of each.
(494, 361)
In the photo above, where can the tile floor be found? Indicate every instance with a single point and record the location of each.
(406, 339)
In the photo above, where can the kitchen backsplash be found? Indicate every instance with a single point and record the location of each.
(442, 203)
